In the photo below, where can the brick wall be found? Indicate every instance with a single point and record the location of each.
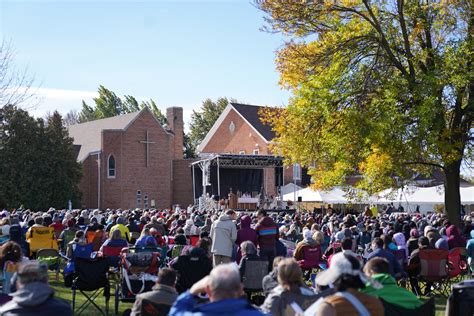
(244, 138)
(88, 184)
(174, 116)
(153, 181)
(182, 182)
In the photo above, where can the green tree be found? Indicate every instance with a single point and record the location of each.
(380, 88)
(38, 165)
(108, 104)
(203, 119)
(64, 170)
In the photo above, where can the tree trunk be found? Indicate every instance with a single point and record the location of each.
(452, 195)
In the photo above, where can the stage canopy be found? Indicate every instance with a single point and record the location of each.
(217, 174)
(241, 161)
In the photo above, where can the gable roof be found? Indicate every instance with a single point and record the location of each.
(249, 114)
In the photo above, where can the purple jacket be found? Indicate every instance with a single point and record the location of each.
(245, 232)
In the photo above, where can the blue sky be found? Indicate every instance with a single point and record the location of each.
(176, 52)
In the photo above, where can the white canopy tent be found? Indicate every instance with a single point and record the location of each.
(307, 195)
(290, 188)
(425, 199)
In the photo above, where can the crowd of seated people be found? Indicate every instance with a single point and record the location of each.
(304, 260)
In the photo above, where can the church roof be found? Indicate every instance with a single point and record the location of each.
(250, 114)
(88, 135)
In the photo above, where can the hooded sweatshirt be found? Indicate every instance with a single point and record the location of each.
(399, 239)
(454, 237)
(245, 232)
(267, 232)
(35, 298)
(391, 292)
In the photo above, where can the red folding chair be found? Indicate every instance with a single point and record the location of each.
(435, 270)
(112, 254)
(193, 240)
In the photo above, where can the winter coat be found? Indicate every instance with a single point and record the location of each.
(245, 233)
(267, 232)
(454, 237)
(223, 234)
(187, 305)
(191, 268)
(391, 292)
(278, 301)
(35, 298)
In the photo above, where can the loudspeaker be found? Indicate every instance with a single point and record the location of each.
(300, 199)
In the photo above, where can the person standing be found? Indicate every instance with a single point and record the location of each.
(223, 234)
(267, 232)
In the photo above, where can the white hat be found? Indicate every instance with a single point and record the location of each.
(340, 264)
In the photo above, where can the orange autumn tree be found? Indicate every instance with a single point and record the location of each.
(382, 89)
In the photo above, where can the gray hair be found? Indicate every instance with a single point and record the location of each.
(32, 271)
(248, 248)
(224, 281)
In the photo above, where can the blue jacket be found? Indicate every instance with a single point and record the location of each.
(186, 305)
(394, 266)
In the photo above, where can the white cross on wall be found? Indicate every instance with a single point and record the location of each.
(146, 142)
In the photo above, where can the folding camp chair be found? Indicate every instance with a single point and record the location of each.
(255, 270)
(51, 258)
(434, 270)
(41, 238)
(91, 275)
(90, 236)
(193, 240)
(112, 254)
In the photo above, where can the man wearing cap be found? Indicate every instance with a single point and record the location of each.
(346, 277)
(34, 296)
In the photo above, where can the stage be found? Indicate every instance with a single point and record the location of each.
(217, 175)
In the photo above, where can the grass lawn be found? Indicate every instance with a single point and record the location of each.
(66, 294)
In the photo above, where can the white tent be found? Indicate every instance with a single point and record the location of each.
(467, 195)
(334, 196)
(307, 195)
(425, 199)
(290, 188)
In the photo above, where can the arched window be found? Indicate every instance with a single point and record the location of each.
(111, 171)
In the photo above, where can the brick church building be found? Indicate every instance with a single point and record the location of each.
(238, 130)
(132, 161)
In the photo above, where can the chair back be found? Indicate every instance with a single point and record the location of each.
(255, 271)
(112, 254)
(9, 269)
(311, 256)
(47, 253)
(42, 237)
(82, 251)
(433, 263)
(193, 240)
(91, 274)
(90, 236)
(150, 308)
(454, 259)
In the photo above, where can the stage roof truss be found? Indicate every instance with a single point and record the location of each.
(242, 161)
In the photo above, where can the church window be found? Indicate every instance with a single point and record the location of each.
(232, 127)
(111, 171)
(145, 201)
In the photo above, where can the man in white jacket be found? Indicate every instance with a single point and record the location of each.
(223, 235)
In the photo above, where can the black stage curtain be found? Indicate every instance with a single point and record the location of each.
(243, 180)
